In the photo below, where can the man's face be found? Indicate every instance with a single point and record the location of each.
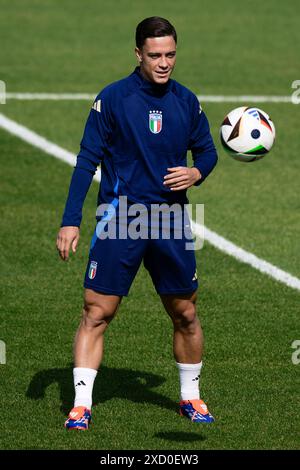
(157, 58)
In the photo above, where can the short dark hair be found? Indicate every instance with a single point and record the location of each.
(153, 27)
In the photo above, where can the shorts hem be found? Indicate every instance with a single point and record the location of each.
(177, 291)
(105, 290)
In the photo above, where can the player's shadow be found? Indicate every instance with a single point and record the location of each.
(128, 384)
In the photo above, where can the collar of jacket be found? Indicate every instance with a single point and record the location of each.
(148, 87)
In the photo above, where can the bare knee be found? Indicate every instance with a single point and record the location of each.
(97, 315)
(185, 317)
(99, 309)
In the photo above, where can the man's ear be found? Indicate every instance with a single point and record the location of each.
(138, 54)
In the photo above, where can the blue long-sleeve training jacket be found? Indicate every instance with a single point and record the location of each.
(137, 129)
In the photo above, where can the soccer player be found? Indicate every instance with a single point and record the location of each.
(140, 129)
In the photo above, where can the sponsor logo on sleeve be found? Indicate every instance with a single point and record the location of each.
(97, 106)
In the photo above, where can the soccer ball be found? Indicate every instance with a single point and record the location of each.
(247, 134)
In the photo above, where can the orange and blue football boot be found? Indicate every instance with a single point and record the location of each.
(79, 418)
(196, 411)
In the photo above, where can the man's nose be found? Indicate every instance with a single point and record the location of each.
(163, 63)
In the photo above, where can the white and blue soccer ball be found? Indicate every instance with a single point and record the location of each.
(247, 134)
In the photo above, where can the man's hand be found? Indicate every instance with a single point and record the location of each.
(67, 238)
(181, 177)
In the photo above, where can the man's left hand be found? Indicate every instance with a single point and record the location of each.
(181, 177)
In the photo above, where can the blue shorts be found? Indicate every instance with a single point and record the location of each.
(114, 263)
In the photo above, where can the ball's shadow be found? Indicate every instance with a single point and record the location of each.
(181, 436)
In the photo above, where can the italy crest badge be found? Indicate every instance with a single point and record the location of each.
(155, 121)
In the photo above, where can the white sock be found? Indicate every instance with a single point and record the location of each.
(83, 384)
(189, 375)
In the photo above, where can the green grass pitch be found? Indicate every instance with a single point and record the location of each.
(250, 321)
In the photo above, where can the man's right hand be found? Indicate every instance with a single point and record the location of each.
(67, 238)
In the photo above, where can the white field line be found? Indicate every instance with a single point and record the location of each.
(40, 142)
(50, 96)
(213, 238)
(244, 99)
(203, 98)
(240, 254)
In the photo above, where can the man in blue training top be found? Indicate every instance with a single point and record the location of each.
(140, 129)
